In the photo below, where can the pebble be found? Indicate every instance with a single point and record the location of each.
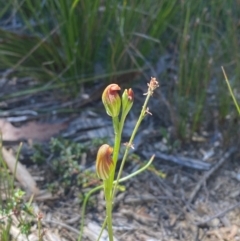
(214, 222)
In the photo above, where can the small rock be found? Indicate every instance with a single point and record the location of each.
(214, 222)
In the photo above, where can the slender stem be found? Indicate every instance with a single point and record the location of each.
(141, 117)
(231, 91)
(108, 184)
(123, 180)
(117, 141)
(109, 218)
(39, 224)
(103, 226)
(136, 172)
(99, 188)
(109, 191)
(84, 208)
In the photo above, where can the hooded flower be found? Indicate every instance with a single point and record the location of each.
(104, 162)
(111, 100)
(127, 100)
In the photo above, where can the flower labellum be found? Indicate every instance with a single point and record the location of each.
(104, 163)
(111, 100)
(127, 100)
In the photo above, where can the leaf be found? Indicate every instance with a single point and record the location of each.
(32, 130)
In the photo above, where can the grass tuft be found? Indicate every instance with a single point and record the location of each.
(69, 43)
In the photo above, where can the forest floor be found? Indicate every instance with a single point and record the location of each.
(191, 193)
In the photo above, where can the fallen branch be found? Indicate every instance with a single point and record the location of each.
(210, 172)
(184, 161)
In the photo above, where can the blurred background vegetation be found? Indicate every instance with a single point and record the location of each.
(68, 43)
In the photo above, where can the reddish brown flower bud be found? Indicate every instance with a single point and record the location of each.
(127, 100)
(104, 163)
(111, 100)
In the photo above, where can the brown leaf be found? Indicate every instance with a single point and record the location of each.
(32, 130)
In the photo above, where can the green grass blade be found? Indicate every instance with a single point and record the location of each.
(231, 91)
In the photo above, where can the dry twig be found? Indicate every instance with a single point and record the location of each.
(210, 172)
(220, 214)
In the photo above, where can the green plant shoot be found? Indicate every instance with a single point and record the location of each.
(107, 156)
(231, 91)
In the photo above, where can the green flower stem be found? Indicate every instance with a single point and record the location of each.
(84, 208)
(108, 184)
(103, 226)
(117, 142)
(109, 218)
(109, 191)
(100, 187)
(141, 117)
(125, 179)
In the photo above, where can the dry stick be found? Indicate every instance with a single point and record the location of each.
(61, 224)
(210, 172)
(218, 214)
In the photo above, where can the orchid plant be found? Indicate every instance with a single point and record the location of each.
(118, 108)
